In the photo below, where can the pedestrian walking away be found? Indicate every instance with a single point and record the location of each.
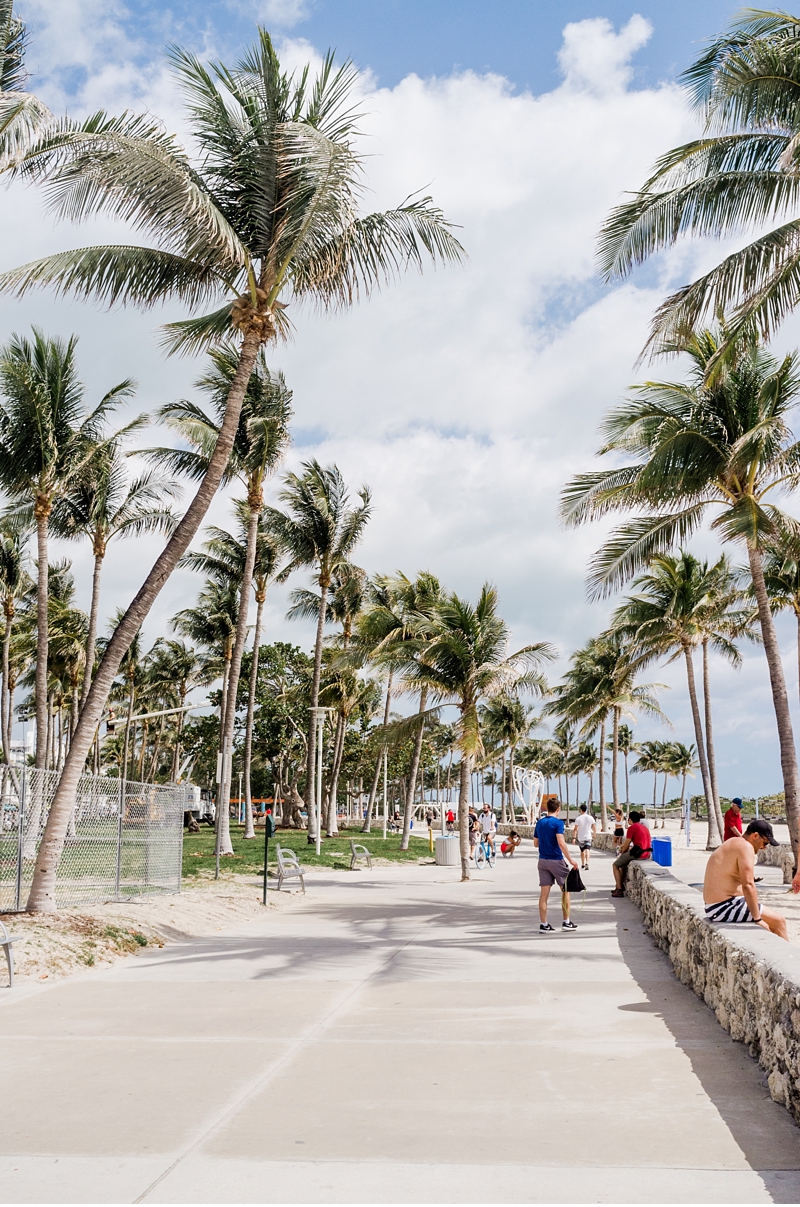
(554, 864)
(635, 846)
(585, 827)
(473, 829)
(733, 820)
(729, 888)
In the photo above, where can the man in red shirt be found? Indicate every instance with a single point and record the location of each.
(635, 846)
(733, 820)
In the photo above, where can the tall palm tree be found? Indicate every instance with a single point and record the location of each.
(670, 614)
(22, 115)
(466, 660)
(682, 761)
(15, 583)
(651, 758)
(212, 623)
(715, 446)
(47, 440)
(344, 604)
(260, 443)
(103, 505)
(319, 529)
(627, 747)
(742, 172)
(175, 665)
(601, 683)
(267, 210)
(507, 722)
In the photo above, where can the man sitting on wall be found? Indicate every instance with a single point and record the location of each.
(636, 846)
(729, 889)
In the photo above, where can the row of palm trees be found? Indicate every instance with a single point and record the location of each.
(717, 448)
(265, 210)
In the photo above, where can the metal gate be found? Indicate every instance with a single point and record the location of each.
(124, 839)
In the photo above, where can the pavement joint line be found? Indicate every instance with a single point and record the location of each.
(306, 1037)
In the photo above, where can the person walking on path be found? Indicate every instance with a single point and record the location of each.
(554, 856)
(488, 823)
(729, 888)
(585, 827)
(636, 846)
(733, 820)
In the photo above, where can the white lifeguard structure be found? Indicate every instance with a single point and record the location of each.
(531, 782)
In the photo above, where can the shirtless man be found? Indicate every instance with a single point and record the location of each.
(729, 889)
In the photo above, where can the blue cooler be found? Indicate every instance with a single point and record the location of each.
(662, 852)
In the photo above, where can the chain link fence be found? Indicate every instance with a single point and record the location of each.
(124, 839)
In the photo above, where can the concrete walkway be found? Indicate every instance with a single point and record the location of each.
(395, 1037)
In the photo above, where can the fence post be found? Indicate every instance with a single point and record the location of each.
(20, 836)
(119, 834)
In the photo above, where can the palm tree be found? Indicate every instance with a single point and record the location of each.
(601, 682)
(343, 606)
(175, 666)
(782, 580)
(741, 171)
(682, 761)
(464, 661)
(15, 583)
(260, 443)
(22, 115)
(670, 615)
(212, 623)
(102, 505)
(719, 444)
(506, 722)
(46, 443)
(267, 209)
(651, 758)
(627, 746)
(320, 529)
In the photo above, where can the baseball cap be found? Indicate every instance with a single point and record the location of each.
(737, 800)
(764, 829)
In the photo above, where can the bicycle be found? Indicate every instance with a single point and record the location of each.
(484, 852)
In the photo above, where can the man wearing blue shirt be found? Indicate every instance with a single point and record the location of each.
(554, 858)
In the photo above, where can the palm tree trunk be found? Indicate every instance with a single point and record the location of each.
(256, 505)
(5, 701)
(615, 758)
(249, 827)
(10, 718)
(412, 775)
(627, 785)
(683, 797)
(712, 762)
(503, 806)
(42, 512)
(601, 777)
(780, 699)
(797, 614)
(714, 837)
(463, 813)
(222, 843)
(373, 792)
(332, 821)
(91, 638)
(312, 724)
(42, 896)
(176, 753)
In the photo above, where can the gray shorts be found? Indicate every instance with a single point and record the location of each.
(585, 846)
(553, 871)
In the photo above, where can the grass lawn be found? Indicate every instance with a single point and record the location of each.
(248, 857)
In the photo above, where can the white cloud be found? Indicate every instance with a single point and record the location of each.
(465, 397)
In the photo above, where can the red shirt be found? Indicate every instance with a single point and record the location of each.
(733, 824)
(640, 837)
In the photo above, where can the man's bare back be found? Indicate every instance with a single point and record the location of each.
(729, 883)
(730, 867)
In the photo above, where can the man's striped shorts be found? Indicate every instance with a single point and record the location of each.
(733, 910)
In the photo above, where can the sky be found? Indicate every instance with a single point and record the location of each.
(465, 397)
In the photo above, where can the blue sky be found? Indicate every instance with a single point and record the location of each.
(466, 397)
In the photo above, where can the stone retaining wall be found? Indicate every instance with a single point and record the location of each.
(749, 978)
(778, 857)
